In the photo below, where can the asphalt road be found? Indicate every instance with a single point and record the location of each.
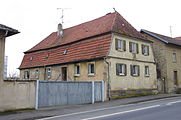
(164, 109)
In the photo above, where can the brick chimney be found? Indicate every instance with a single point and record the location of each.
(60, 30)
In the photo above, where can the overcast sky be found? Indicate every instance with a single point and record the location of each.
(36, 19)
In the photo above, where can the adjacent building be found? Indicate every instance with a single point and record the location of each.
(107, 48)
(4, 32)
(167, 53)
(5, 67)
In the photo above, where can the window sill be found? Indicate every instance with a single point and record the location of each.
(135, 75)
(122, 74)
(147, 75)
(76, 75)
(92, 74)
(145, 54)
(120, 50)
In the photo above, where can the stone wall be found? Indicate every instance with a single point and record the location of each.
(2, 50)
(100, 72)
(165, 65)
(17, 95)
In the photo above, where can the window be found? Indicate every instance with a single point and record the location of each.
(135, 70)
(121, 69)
(175, 78)
(77, 70)
(133, 47)
(37, 74)
(91, 69)
(158, 73)
(145, 49)
(174, 58)
(120, 45)
(26, 74)
(49, 73)
(147, 74)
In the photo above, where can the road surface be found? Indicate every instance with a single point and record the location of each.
(164, 109)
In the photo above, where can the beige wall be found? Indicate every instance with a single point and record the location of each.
(173, 66)
(132, 82)
(163, 55)
(128, 55)
(128, 58)
(2, 50)
(100, 72)
(17, 95)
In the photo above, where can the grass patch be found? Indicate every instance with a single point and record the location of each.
(16, 111)
(131, 95)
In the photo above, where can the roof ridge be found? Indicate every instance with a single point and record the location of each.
(114, 20)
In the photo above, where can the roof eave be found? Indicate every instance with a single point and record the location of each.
(77, 61)
(155, 36)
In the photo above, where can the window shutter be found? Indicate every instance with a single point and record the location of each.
(116, 44)
(131, 70)
(137, 48)
(117, 69)
(130, 46)
(142, 47)
(124, 45)
(138, 70)
(125, 68)
(148, 50)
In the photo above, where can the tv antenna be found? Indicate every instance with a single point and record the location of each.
(170, 30)
(62, 17)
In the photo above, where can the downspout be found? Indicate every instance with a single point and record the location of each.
(109, 85)
(44, 71)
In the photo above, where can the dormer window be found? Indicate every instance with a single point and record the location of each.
(65, 52)
(31, 58)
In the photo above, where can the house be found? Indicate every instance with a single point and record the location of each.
(107, 48)
(4, 32)
(178, 38)
(167, 52)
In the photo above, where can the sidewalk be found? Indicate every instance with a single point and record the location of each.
(61, 110)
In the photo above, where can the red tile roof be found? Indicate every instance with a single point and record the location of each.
(112, 22)
(89, 40)
(178, 38)
(85, 50)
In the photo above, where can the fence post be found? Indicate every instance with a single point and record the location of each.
(36, 98)
(102, 90)
(93, 97)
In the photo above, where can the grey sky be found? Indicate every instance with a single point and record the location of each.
(36, 19)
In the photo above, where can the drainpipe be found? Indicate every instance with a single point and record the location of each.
(108, 86)
(44, 71)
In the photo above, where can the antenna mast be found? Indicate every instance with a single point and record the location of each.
(171, 31)
(62, 17)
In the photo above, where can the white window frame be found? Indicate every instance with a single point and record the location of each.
(90, 72)
(49, 72)
(135, 70)
(121, 69)
(134, 47)
(174, 57)
(26, 74)
(76, 70)
(145, 50)
(36, 74)
(147, 71)
(121, 45)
